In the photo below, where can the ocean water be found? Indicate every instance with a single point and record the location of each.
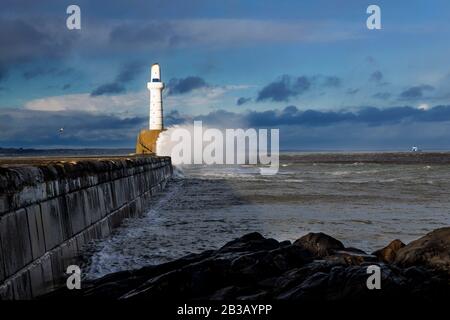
(203, 207)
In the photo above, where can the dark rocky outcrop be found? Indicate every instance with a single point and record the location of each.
(319, 244)
(316, 267)
(432, 250)
(388, 253)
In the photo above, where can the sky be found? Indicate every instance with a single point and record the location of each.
(310, 68)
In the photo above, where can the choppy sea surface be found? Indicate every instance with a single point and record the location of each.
(203, 207)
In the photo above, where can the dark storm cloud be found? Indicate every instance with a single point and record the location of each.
(352, 91)
(284, 88)
(312, 128)
(108, 88)
(174, 118)
(291, 115)
(40, 71)
(185, 85)
(364, 137)
(35, 39)
(242, 100)
(24, 41)
(80, 128)
(223, 119)
(127, 73)
(415, 92)
(376, 76)
(367, 128)
(332, 81)
(287, 86)
(382, 95)
(159, 33)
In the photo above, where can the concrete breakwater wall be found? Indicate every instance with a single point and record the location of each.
(50, 208)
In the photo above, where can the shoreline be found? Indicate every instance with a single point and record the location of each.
(315, 267)
(344, 157)
(441, 158)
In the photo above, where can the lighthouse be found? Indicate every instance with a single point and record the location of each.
(156, 106)
(146, 140)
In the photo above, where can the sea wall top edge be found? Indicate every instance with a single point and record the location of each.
(15, 173)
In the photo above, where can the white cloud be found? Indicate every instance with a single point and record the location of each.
(131, 103)
(424, 106)
(204, 99)
(136, 103)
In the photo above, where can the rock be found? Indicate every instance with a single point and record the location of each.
(316, 267)
(354, 250)
(319, 244)
(227, 293)
(388, 253)
(347, 284)
(315, 283)
(264, 264)
(432, 250)
(288, 257)
(250, 242)
(293, 278)
(350, 258)
(258, 296)
(418, 274)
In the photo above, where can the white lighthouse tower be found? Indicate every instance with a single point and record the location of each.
(147, 138)
(156, 108)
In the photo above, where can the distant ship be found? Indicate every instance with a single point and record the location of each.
(415, 149)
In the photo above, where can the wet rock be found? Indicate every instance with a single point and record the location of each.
(259, 295)
(388, 253)
(346, 283)
(250, 242)
(285, 258)
(351, 258)
(319, 244)
(309, 287)
(354, 250)
(316, 267)
(295, 277)
(432, 250)
(227, 293)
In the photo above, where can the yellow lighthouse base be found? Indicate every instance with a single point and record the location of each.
(146, 141)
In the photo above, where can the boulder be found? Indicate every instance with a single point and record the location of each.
(319, 244)
(432, 250)
(388, 253)
(250, 243)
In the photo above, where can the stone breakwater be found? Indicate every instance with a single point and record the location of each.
(50, 208)
(315, 267)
